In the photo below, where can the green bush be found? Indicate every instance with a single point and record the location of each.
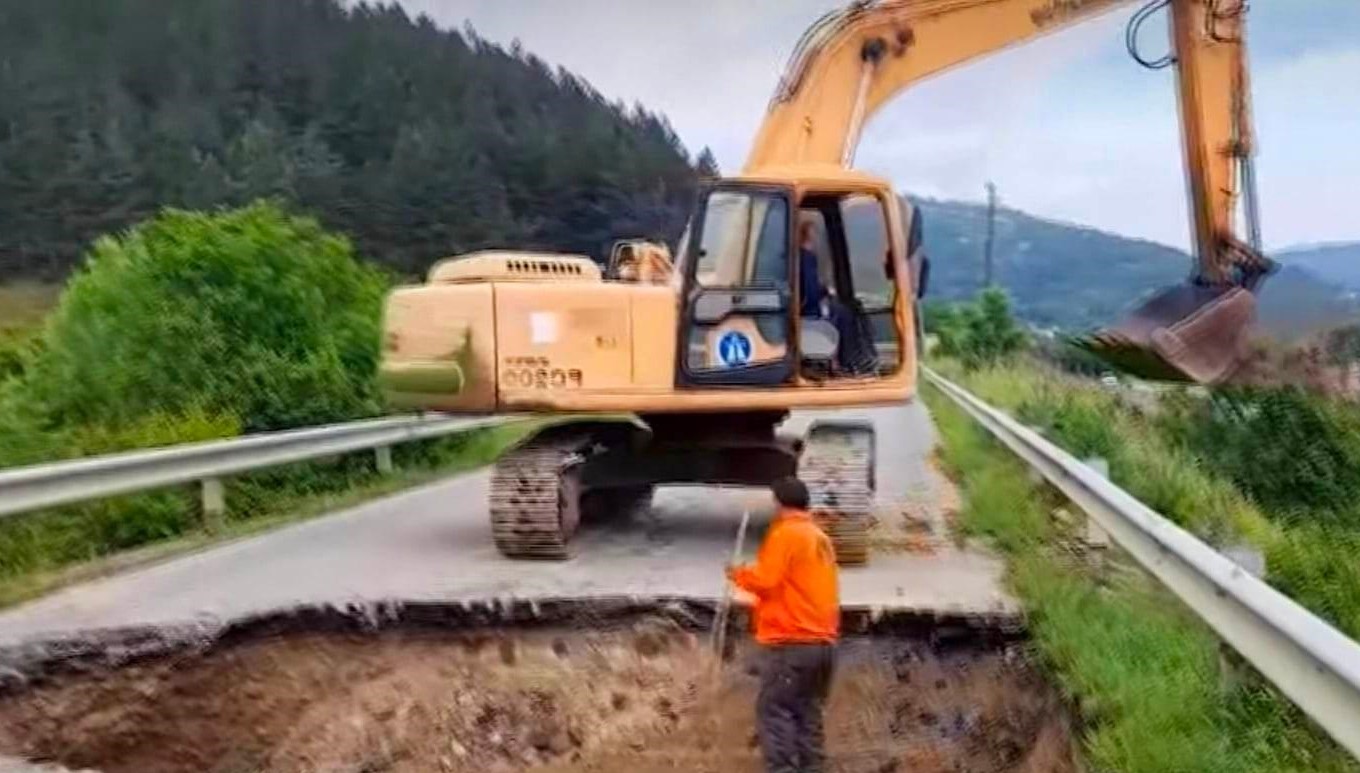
(23, 439)
(978, 334)
(249, 313)
(14, 349)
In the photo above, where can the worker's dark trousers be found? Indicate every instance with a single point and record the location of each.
(794, 682)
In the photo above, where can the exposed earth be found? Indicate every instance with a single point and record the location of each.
(646, 697)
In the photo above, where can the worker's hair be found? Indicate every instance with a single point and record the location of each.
(790, 492)
(807, 227)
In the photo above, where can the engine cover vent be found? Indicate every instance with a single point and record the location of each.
(505, 265)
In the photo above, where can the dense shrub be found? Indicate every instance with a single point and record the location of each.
(23, 439)
(1296, 453)
(978, 334)
(249, 313)
(12, 354)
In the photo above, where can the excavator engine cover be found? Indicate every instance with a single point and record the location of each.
(1191, 332)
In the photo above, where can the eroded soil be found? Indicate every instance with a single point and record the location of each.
(641, 699)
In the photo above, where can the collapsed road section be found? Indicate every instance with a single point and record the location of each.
(596, 685)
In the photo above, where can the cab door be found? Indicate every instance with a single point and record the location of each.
(737, 325)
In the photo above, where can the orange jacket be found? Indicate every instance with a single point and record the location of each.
(794, 582)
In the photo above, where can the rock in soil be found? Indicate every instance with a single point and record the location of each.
(638, 700)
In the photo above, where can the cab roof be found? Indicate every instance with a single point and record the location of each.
(803, 176)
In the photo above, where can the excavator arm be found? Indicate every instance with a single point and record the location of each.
(853, 61)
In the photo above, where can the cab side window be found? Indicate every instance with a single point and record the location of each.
(869, 250)
(866, 237)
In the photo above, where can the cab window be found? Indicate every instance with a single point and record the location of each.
(745, 240)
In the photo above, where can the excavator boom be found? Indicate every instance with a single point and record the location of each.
(853, 61)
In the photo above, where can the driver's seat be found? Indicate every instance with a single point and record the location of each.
(818, 343)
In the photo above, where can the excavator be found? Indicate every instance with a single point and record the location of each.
(794, 286)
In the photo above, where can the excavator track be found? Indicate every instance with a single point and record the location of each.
(837, 465)
(534, 508)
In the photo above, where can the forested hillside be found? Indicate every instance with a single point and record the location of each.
(415, 141)
(1067, 276)
(1339, 263)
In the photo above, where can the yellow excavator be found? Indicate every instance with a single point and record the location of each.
(794, 287)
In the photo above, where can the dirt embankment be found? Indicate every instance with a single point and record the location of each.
(638, 700)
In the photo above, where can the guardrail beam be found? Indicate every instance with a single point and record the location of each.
(42, 486)
(1312, 663)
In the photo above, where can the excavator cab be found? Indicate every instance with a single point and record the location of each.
(789, 285)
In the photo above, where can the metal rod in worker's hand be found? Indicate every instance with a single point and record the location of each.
(725, 604)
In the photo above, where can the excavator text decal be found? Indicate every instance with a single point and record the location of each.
(538, 373)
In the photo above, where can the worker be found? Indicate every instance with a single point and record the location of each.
(797, 622)
(810, 287)
(854, 347)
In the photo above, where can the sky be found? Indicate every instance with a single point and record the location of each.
(1068, 127)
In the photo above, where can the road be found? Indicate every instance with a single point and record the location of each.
(434, 543)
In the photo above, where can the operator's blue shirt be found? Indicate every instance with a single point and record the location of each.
(810, 284)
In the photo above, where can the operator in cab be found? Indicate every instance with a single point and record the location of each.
(797, 622)
(854, 350)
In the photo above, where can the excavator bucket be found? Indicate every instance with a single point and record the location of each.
(1189, 332)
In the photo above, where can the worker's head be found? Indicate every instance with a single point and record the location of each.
(807, 233)
(790, 492)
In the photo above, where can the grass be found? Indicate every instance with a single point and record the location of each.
(1312, 562)
(1142, 672)
(42, 552)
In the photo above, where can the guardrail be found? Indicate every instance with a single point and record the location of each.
(1311, 662)
(41, 486)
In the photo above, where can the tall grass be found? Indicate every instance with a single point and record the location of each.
(1142, 671)
(1172, 456)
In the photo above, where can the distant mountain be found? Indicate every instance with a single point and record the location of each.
(1338, 263)
(1075, 278)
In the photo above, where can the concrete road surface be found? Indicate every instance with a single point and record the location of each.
(434, 543)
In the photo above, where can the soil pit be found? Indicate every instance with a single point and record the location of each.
(639, 698)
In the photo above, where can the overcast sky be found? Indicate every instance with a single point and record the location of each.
(1068, 127)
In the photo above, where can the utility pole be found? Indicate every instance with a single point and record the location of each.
(988, 277)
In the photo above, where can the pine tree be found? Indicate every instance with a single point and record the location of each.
(417, 142)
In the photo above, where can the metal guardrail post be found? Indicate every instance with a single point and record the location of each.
(383, 459)
(214, 503)
(1312, 663)
(1095, 536)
